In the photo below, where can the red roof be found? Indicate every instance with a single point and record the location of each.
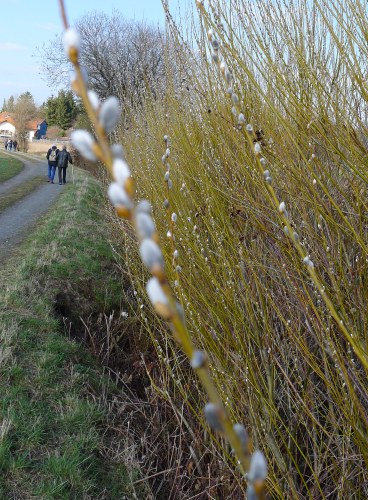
(6, 117)
(9, 117)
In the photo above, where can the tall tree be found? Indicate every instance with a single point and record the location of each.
(4, 106)
(50, 106)
(10, 105)
(65, 110)
(61, 110)
(24, 111)
(122, 58)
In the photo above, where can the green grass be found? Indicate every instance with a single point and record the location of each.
(17, 193)
(55, 440)
(9, 167)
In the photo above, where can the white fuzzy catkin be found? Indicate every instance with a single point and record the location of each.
(258, 467)
(118, 196)
(215, 57)
(282, 207)
(235, 98)
(93, 98)
(151, 254)
(145, 225)
(117, 151)
(155, 292)
(83, 141)
(144, 206)
(110, 113)
(121, 171)
(198, 360)
(215, 44)
(174, 217)
(212, 413)
(242, 434)
(308, 262)
(71, 39)
(251, 492)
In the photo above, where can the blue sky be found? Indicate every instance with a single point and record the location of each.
(26, 24)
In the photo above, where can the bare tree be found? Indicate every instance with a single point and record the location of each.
(24, 111)
(122, 58)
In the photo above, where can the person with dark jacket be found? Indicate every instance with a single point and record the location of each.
(51, 158)
(62, 159)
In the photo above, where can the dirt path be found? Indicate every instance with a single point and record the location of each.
(18, 219)
(32, 168)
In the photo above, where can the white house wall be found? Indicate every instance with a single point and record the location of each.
(7, 128)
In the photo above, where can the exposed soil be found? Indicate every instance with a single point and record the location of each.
(165, 445)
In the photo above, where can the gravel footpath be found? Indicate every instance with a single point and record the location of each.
(18, 219)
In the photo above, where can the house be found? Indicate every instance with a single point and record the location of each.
(41, 129)
(36, 128)
(7, 125)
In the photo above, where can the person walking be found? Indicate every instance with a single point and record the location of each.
(51, 159)
(15, 145)
(63, 158)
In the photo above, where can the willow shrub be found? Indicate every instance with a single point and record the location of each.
(279, 359)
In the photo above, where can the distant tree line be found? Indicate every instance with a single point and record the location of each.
(8, 105)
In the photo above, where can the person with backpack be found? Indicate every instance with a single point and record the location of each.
(62, 159)
(51, 158)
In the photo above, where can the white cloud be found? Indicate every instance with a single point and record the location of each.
(11, 47)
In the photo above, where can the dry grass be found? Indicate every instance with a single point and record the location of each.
(280, 361)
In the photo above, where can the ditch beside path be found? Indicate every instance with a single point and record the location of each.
(18, 219)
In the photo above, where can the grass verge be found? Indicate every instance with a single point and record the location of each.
(55, 415)
(9, 167)
(19, 192)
